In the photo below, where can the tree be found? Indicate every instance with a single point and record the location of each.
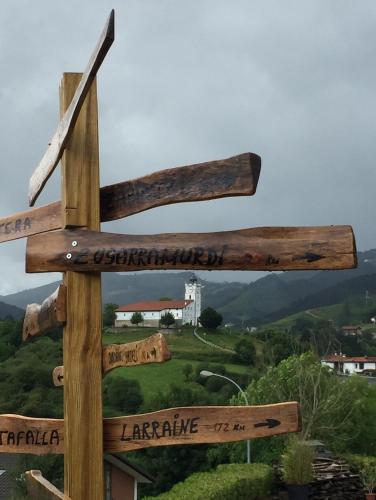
(122, 395)
(245, 352)
(210, 318)
(328, 405)
(187, 370)
(109, 315)
(167, 319)
(137, 318)
(165, 298)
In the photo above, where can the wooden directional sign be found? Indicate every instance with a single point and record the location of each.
(235, 176)
(154, 349)
(43, 318)
(38, 488)
(57, 144)
(200, 424)
(190, 425)
(39, 436)
(271, 249)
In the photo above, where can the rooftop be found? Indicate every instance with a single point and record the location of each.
(154, 305)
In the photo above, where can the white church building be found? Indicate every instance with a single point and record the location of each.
(185, 312)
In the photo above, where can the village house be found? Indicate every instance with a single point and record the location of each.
(350, 364)
(185, 312)
(121, 477)
(351, 330)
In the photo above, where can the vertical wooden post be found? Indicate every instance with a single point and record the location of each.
(83, 419)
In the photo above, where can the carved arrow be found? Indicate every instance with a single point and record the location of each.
(57, 144)
(269, 422)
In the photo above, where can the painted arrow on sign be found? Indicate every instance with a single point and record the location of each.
(235, 176)
(264, 248)
(269, 422)
(58, 142)
(154, 349)
(187, 425)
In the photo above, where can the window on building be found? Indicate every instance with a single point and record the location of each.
(361, 366)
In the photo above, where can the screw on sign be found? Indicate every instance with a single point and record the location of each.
(65, 236)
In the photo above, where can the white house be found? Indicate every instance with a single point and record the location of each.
(350, 364)
(185, 311)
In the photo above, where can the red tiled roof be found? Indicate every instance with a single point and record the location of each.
(154, 305)
(351, 359)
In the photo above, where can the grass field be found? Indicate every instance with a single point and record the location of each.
(184, 347)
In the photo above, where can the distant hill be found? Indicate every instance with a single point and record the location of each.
(9, 311)
(268, 299)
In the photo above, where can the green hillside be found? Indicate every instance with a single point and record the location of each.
(354, 310)
(184, 347)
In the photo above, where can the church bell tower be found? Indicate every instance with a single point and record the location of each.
(193, 292)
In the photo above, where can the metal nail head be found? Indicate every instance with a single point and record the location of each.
(69, 256)
(74, 243)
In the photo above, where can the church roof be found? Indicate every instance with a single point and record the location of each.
(154, 305)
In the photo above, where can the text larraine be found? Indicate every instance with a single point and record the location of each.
(156, 430)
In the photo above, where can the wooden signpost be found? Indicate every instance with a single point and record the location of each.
(190, 425)
(235, 176)
(65, 236)
(43, 318)
(154, 349)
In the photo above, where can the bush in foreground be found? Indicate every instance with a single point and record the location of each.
(227, 482)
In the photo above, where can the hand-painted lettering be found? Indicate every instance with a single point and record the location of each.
(16, 226)
(142, 257)
(174, 427)
(30, 437)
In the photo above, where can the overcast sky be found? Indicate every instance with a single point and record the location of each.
(198, 80)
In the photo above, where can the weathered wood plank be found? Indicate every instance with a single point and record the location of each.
(32, 221)
(82, 341)
(268, 248)
(38, 488)
(52, 313)
(58, 376)
(38, 436)
(154, 349)
(187, 425)
(64, 130)
(235, 176)
(194, 425)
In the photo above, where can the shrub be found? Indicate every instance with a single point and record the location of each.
(297, 462)
(366, 466)
(227, 482)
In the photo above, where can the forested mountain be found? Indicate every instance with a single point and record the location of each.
(267, 299)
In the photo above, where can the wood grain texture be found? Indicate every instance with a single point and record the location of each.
(58, 376)
(154, 349)
(235, 176)
(264, 248)
(186, 425)
(82, 343)
(66, 125)
(32, 221)
(52, 313)
(195, 425)
(38, 436)
(38, 488)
